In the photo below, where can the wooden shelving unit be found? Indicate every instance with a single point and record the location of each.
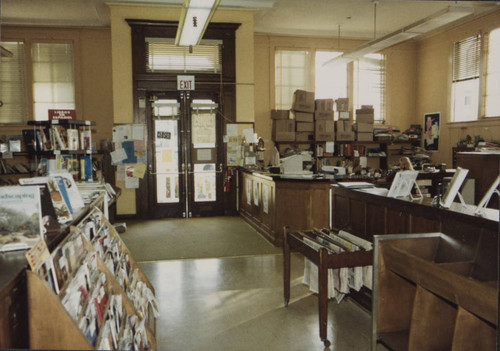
(430, 296)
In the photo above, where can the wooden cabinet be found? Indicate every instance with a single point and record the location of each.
(483, 167)
(429, 295)
(270, 203)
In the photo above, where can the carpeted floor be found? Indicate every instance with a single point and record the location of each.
(174, 239)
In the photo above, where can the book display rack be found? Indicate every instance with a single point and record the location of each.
(90, 293)
(326, 251)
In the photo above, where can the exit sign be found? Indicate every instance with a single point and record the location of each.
(185, 82)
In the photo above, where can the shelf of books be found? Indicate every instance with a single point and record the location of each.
(89, 293)
(68, 144)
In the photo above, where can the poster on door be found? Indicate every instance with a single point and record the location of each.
(203, 130)
(204, 182)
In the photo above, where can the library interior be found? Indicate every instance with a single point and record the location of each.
(249, 175)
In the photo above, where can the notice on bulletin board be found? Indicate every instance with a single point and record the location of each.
(234, 141)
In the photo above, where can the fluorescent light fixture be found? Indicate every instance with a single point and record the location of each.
(425, 25)
(195, 16)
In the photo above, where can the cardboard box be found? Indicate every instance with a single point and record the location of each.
(343, 115)
(280, 114)
(362, 127)
(365, 118)
(343, 126)
(326, 115)
(324, 105)
(364, 136)
(304, 127)
(324, 130)
(365, 115)
(284, 130)
(344, 136)
(302, 116)
(342, 104)
(304, 136)
(303, 101)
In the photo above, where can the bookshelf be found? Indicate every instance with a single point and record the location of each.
(69, 142)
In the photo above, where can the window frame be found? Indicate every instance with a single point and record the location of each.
(47, 36)
(483, 73)
(355, 94)
(455, 82)
(31, 86)
(310, 70)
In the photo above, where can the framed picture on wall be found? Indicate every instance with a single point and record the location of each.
(431, 131)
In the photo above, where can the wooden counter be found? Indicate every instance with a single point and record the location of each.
(269, 203)
(414, 271)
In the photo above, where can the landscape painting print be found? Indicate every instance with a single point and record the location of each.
(20, 217)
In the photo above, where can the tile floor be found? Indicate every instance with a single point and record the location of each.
(237, 304)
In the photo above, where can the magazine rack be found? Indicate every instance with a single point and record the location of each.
(52, 327)
(325, 259)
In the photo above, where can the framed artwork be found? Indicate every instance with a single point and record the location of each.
(431, 131)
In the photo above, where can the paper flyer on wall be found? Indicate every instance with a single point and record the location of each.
(20, 217)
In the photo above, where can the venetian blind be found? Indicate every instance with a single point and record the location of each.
(53, 78)
(369, 84)
(493, 75)
(466, 56)
(162, 55)
(12, 84)
(291, 69)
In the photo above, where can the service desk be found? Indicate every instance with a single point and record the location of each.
(270, 202)
(435, 277)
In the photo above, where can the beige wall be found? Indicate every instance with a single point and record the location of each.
(122, 66)
(92, 51)
(434, 88)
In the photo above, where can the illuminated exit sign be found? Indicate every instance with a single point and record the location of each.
(185, 82)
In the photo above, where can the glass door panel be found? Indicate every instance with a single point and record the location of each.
(167, 161)
(204, 182)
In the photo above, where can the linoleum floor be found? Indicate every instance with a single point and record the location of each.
(236, 303)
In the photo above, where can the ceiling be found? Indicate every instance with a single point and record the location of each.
(350, 18)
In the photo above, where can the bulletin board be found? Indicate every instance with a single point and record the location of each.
(234, 135)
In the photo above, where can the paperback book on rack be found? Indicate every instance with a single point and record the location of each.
(20, 217)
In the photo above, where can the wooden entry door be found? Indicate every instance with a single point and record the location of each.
(186, 170)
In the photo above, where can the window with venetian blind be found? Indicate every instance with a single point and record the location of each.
(291, 69)
(369, 84)
(12, 83)
(162, 55)
(465, 81)
(492, 94)
(331, 79)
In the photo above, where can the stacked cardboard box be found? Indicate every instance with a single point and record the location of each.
(324, 129)
(280, 114)
(283, 130)
(303, 101)
(364, 123)
(303, 114)
(343, 130)
(342, 108)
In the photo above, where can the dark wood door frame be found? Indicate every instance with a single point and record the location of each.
(145, 82)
